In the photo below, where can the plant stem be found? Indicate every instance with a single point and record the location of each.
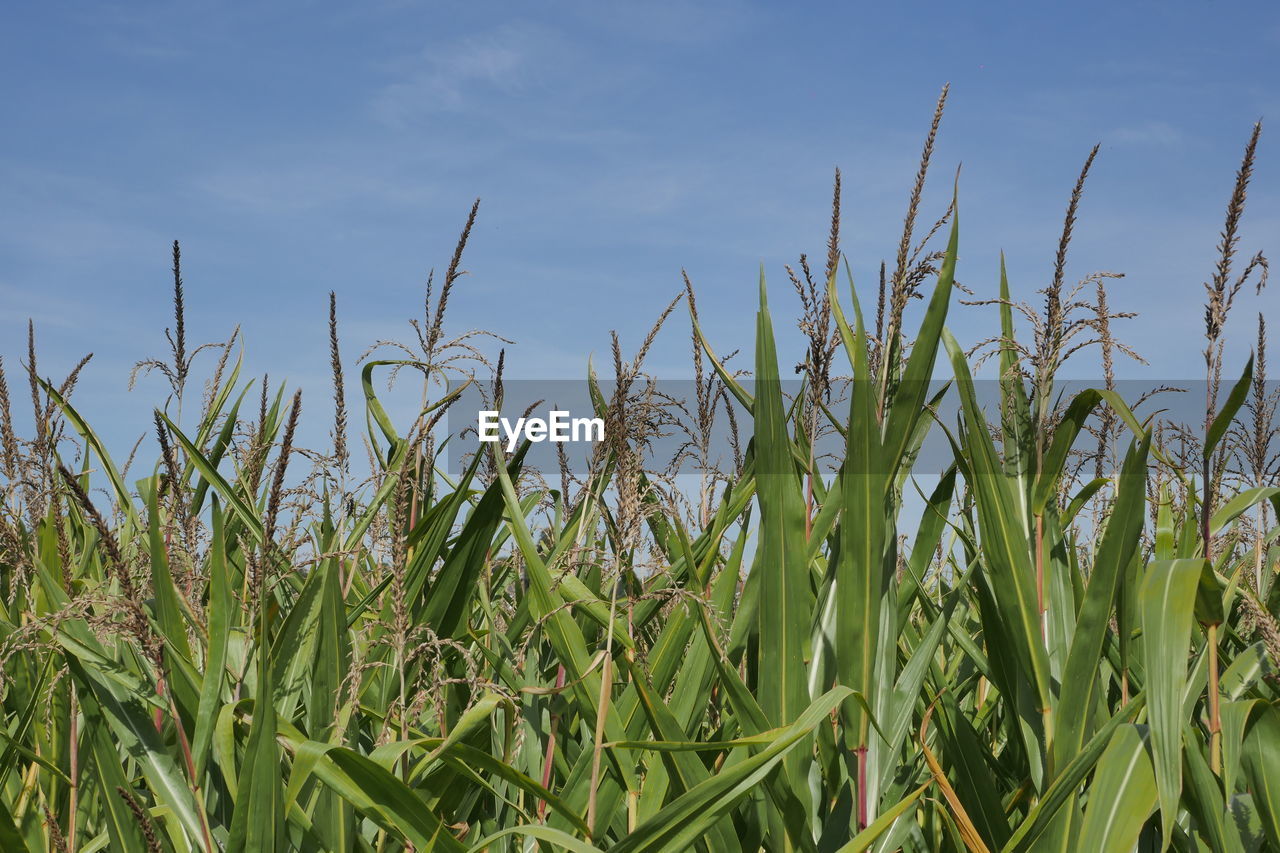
(861, 753)
(1215, 715)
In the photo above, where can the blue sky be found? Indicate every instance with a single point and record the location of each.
(300, 147)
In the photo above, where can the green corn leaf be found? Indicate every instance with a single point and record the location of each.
(783, 571)
(1123, 794)
(1120, 541)
(377, 793)
(108, 774)
(868, 837)
(862, 576)
(1045, 812)
(1015, 406)
(136, 733)
(1222, 420)
(1168, 602)
(1203, 798)
(688, 817)
(257, 823)
(908, 405)
(562, 840)
(218, 620)
(1064, 436)
(1261, 763)
(243, 511)
(1004, 537)
(1239, 505)
(124, 499)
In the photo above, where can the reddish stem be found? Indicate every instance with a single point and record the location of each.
(861, 752)
(551, 749)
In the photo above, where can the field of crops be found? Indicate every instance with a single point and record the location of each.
(1066, 640)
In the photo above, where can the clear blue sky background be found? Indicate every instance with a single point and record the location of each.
(299, 147)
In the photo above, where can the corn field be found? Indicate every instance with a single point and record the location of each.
(1066, 640)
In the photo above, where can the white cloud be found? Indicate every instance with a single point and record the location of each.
(274, 187)
(686, 22)
(41, 307)
(68, 219)
(447, 76)
(1147, 133)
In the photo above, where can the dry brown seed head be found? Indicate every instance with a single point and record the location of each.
(340, 453)
(900, 293)
(833, 241)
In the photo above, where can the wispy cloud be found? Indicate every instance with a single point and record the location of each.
(65, 218)
(1146, 134)
(271, 186)
(447, 76)
(677, 22)
(21, 303)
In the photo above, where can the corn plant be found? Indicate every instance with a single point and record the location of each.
(247, 645)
